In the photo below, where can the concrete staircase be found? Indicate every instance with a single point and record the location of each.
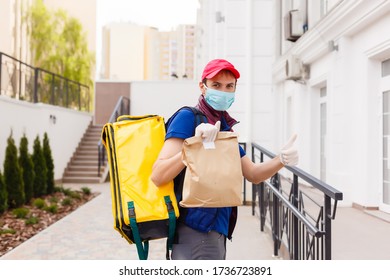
(83, 166)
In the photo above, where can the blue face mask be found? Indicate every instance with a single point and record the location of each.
(219, 100)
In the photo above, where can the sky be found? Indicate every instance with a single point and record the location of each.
(163, 14)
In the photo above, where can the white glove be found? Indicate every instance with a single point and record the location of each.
(289, 154)
(208, 131)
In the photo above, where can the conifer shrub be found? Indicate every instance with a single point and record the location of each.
(49, 164)
(13, 177)
(3, 195)
(40, 180)
(26, 163)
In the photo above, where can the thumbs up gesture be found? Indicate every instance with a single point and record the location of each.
(289, 154)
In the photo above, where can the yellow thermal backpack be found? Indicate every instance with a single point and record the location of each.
(142, 211)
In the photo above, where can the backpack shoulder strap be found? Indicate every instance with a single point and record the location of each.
(199, 116)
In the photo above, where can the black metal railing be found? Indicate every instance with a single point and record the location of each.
(298, 214)
(24, 82)
(122, 107)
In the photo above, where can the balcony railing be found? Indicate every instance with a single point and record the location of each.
(298, 214)
(24, 82)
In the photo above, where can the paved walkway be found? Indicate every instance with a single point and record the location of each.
(88, 234)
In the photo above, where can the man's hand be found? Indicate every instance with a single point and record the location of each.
(289, 154)
(208, 131)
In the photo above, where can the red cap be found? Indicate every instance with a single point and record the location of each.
(215, 66)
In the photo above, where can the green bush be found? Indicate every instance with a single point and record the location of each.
(13, 177)
(20, 213)
(67, 201)
(53, 208)
(39, 203)
(59, 188)
(32, 220)
(53, 199)
(75, 195)
(40, 181)
(67, 191)
(8, 230)
(3, 195)
(86, 190)
(49, 164)
(26, 163)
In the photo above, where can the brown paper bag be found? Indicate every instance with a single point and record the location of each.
(213, 177)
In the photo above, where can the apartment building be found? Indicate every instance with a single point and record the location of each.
(124, 52)
(134, 52)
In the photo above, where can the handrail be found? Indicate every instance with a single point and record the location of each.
(35, 85)
(122, 107)
(322, 186)
(292, 222)
(312, 229)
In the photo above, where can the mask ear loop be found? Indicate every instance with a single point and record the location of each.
(206, 88)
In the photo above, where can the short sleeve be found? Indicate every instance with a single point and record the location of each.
(181, 125)
(242, 152)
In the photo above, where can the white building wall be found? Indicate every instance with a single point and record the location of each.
(352, 75)
(30, 119)
(162, 97)
(241, 31)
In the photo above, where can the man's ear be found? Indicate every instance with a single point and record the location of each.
(202, 88)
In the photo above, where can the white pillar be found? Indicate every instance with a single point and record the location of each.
(249, 69)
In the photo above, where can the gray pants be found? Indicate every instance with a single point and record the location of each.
(195, 245)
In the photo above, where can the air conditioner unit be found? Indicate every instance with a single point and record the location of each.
(293, 25)
(294, 68)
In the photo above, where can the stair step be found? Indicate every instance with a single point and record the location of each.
(89, 151)
(88, 148)
(72, 168)
(83, 167)
(81, 180)
(89, 139)
(86, 157)
(85, 162)
(90, 143)
(81, 174)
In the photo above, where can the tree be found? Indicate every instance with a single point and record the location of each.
(13, 177)
(49, 164)
(41, 31)
(58, 44)
(40, 180)
(26, 163)
(3, 195)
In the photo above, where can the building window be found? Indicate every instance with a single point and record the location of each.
(386, 68)
(386, 147)
(323, 124)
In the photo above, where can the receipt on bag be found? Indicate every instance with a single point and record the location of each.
(208, 145)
